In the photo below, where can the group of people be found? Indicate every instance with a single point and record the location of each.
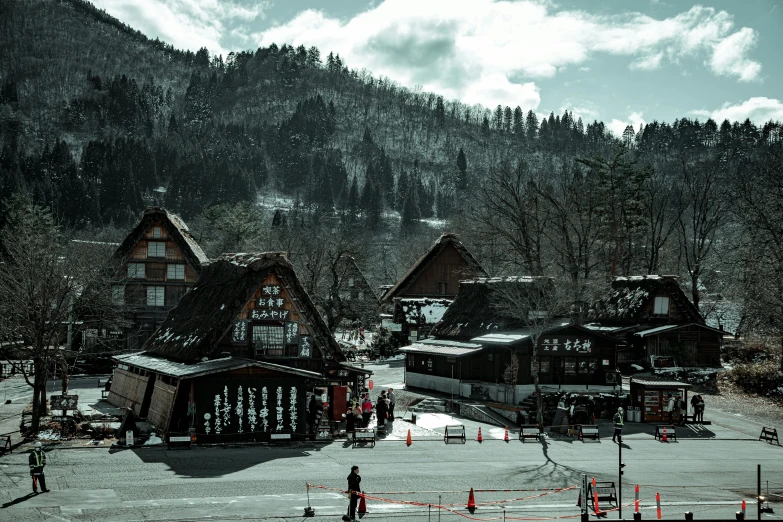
(676, 406)
(354, 334)
(360, 414)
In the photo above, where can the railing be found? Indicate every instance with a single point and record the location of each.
(155, 274)
(171, 255)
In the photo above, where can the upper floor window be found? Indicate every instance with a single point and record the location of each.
(156, 249)
(175, 272)
(156, 296)
(136, 270)
(661, 306)
(442, 287)
(268, 339)
(118, 294)
(156, 232)
(351, 282)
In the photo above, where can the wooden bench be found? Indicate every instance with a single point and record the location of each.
(607, 492)
(529, 432)
(364, 436)
(455, 432)
(180, 441)
(5, 444)
(670, 432)
(589, 431)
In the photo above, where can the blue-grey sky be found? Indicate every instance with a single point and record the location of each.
(618, 61)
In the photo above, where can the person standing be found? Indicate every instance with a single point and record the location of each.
(37, 461)
(354, 487)
(699, 409)
(618, 426)
(669, 408)
(392, 402)
(366, 410)
(381, 409)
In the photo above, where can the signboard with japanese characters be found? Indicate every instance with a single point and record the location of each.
(63, 402)
(270, 302)
(292, 332)
(229, 407)
(269, 315)
(557, 345)
(239, 333)
(305, 346)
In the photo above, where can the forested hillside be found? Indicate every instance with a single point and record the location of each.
(97, 121)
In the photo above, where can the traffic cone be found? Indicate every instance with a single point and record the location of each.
(471, 502)
(362, 506)
(664, 438)
(505, 437)
(480, 438)
(658, 504)
(409, 440)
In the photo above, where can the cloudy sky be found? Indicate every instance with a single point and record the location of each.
(618, 61)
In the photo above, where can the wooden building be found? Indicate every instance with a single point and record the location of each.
(246, 326)
(474, 343)
(160, 262)
(658, 323)
(358, 299)
(436, 275)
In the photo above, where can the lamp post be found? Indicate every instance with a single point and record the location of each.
(620, 481)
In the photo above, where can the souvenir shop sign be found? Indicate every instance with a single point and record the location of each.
(305, 346)
(269, 315)
(566, 345)
(292, 332)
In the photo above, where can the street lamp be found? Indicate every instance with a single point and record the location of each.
(620, 476)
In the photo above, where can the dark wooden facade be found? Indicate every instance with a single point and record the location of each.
(160, 263)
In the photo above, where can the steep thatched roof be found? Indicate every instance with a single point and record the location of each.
(204, 315)
(481, 307)
(178, 232)
(630, 295)
(347, 267)
(412, 274)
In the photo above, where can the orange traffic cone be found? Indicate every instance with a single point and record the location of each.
(362, 506)
(480, 438)
(664, 438)
(505, 437)
(471, 502)
(409, 440)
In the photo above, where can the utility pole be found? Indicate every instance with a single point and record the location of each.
(620, 481)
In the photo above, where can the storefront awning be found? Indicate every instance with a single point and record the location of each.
(652, 383)
(443, 347)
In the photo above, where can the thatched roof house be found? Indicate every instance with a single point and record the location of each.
(437, 273)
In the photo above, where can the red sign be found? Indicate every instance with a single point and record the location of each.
(370, 384)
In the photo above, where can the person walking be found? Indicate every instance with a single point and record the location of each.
(366, 409)
(698, 410)
(354, 487)
(37, 461)
(392, 402)
(618, 426)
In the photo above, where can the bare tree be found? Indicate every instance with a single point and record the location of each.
(703, 217)
(663, 209)
(51, 289)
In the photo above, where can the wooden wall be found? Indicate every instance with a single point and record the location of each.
(128, 388)
(162, 401)
(449, 267)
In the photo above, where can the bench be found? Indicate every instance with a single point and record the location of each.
(456, 432)
(180, 441)
(280, 438)
(670, 432)
(589, 431)
(5, 444)
(529, 432)
(364, 436)
(606, 492)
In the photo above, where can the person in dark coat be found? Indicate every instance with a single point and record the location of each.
(37, 461)
(366, 410)
(392, 403)
(312, 408)
(381, 409)
(350, 422)
(354, 487)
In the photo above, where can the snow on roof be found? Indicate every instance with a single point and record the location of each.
(431, 310)
(439, 347)
(506, 279)
(659, 329)
(503, 338)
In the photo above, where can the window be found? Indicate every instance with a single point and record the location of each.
(156, 232)
(361, 295)
(136, 270)
(570, 366)
(156, 296)
(175, 272)
(442, 287)
(118, 294)
(661, 306)
(350, 282)
(156, 249)
(268, 340)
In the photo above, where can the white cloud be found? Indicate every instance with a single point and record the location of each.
(473, 50)
(758, 109)
(634, 120)
(188, 24)
(728, 57)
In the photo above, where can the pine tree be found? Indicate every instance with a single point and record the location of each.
(410, 212)
(507, 119)
(440, 112)
(352, 202)
(485, 125)
(403, 184)
(462, 167)
(497, 121)
(531, 126)
(519, 122)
